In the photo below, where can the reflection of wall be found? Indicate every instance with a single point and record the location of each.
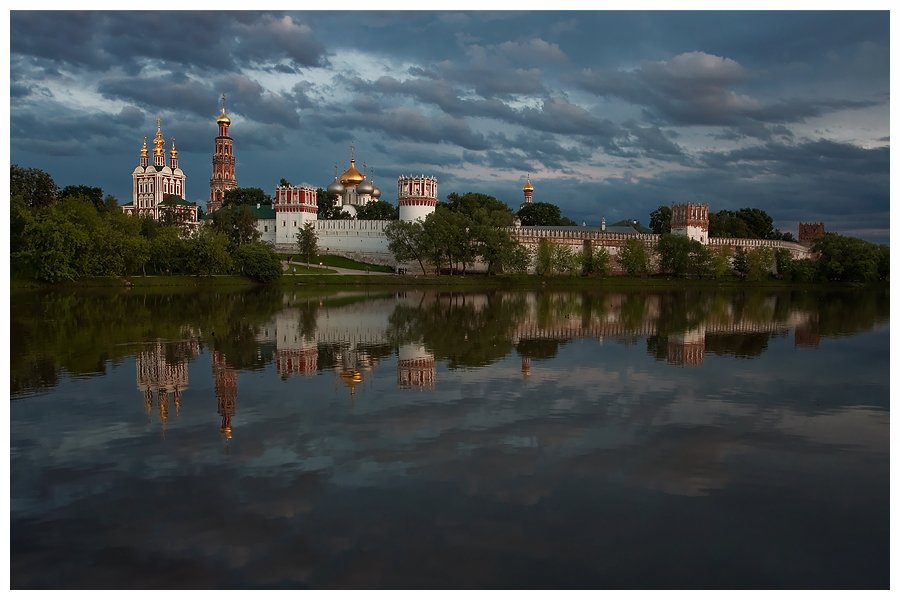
(226, 390)
(687, 348)
(415, 366)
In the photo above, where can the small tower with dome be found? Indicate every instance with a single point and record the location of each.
(528, 190)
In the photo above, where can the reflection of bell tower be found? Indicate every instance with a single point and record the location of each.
(226, 391)
(415, 366)
(687, 348)
(526, 367)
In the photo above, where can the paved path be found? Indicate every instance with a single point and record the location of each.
(342, 271)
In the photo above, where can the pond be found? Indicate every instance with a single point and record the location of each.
(429, 439)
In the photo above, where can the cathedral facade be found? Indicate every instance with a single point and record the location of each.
(158, 189)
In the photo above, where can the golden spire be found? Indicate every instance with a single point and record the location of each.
(159, 141)
(173, 153)
(144, 148)
(528, 187)
(352, 176)
(223, 118)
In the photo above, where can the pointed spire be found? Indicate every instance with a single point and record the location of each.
(173, 153)
(159, 141)
(144, 155)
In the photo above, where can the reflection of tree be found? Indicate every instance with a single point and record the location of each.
(538, 349)
(744, 345)
(467, 330)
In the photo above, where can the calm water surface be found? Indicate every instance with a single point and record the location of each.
(421, 439)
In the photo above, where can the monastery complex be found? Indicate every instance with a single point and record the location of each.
(159, 192)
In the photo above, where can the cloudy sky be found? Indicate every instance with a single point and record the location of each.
(612, 113)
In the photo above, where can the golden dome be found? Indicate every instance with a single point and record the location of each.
(351, 176)
(528, 187)
(223, 119)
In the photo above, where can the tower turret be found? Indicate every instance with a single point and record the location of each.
(691, 220)
(417, 196)
(173, 156)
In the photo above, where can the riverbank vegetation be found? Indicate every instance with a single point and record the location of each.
(77, 233)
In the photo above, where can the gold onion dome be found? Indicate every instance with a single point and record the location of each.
(223, 119)
(528, 187)
(351, 176)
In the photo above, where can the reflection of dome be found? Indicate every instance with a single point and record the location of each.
(335, 188)
(351, 177)
(223, 119)
(226, 432)
(351, 379)
(365, 188)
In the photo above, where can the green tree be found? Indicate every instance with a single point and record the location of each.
(469, 202)
(682, 256)
(599, 261)
(661, 220)
(542, 213)
(94, 195)
(284, 183)
(35, 187)
(565, 260)
(328, 209)
(544, 258)
(740, 262)
(783, 263)
(169, 252)
(208, 253)
(259, 261)
(450, 237)
(307, 242)
(633, 257)
(407, 241)
(758, 222)
(237, 222)
(245, 196)
(759, 263)
(720, 263)
(378, 211)
(843, 258)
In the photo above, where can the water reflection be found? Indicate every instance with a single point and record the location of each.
(427, 439)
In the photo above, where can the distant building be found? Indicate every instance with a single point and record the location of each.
(158, 190)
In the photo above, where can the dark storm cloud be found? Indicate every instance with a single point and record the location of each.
(612, 99)
(173, 91)
(100, 40)
(696, 89)
(40, 132)
(648, 142)
(408, 123)
(272, 37)
(809, 158)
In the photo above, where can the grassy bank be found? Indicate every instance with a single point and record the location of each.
(327, 278)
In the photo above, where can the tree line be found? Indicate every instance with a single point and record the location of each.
(76, 232)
